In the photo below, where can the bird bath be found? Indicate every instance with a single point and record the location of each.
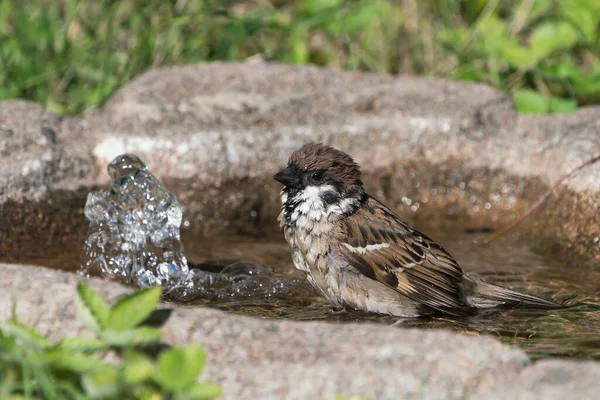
(252, 274)
(454, 160)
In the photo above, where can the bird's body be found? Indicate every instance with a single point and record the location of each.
(357, 253)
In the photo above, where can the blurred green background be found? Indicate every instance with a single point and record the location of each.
(71, 55)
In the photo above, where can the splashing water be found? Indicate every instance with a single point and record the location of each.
(133, 235)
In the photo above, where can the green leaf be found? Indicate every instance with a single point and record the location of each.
(92, 309)
(493, 33)
(519, 56)
(552, 36)
(203, 391)
(132, 309)
(178, 368)
(467, 73)
(453, 37)
(530, 101)
(584, 14)
(76, 362)
(540, 6)
(80, 344)
(358, 17)
(589, 85)
(137, 368)
(130, 338)
(299, 50)
(565, 69)
(559, 105)
(101, 384)
(584, 21)
(316, 6)
(27, 335)
(584, 84)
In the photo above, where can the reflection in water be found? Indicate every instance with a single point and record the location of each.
(571, 332)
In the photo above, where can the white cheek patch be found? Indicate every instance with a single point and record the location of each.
(310, 202)
(310, 205)
(367, 248)
(313, 195)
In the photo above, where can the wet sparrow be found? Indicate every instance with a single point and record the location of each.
(359, 254)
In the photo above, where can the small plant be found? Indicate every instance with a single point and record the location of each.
(123, 360)
(543, 52)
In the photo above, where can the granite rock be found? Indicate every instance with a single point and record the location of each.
(254, 358)
(433, 149)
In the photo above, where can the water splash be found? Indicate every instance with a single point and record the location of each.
(220, 281)
(134, 235)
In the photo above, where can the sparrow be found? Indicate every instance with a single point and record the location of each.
(359, 254)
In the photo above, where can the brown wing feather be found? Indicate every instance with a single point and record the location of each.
(413, 264)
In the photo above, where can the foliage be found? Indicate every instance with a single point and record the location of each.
(544, 52)
(124, 360)
(72, 55)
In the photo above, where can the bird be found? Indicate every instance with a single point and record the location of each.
(360, 255)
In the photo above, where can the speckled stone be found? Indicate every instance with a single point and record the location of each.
(252, 358)
(435, 150)
(215, 133)
(549, 379)
(261, 359)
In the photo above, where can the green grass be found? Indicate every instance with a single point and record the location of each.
(71, 55)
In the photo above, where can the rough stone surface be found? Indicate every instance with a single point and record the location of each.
(35, 155)
(435, 150)
(215, 134)
(252, 358)
(550, 379)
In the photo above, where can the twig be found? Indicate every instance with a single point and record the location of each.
(539, 202)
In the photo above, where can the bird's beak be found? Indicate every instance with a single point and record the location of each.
(288, 176)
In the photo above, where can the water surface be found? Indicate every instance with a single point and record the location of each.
(573, 332)
(261, 281)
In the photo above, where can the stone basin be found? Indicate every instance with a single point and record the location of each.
(442, 154)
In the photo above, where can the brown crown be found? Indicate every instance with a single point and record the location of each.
(335, 163)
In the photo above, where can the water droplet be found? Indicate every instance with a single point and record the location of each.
(124, 166)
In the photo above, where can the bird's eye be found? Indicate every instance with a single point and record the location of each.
(316, 176)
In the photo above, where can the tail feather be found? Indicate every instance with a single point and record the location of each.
(487, 295)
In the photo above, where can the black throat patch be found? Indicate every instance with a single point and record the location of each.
(290, 204)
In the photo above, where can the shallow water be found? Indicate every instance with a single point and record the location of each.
(262, 282)
(572, 332)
